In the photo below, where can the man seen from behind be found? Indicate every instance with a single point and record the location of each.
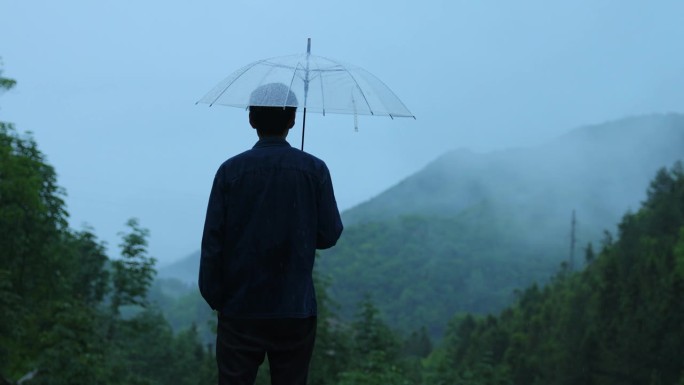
(269, 209)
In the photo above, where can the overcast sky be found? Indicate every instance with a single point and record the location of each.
(109, 89)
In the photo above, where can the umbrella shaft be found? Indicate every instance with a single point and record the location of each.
(303, 127)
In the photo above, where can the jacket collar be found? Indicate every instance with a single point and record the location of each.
(271, 142)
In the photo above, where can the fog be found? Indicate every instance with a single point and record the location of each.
(109, 89)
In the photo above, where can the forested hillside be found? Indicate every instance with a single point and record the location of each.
(617, 322)
(421, 270)
(469, 230)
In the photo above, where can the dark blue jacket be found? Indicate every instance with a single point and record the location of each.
(270, 208)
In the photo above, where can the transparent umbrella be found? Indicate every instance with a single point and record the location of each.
(320, 84)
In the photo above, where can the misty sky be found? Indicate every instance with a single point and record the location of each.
(109, 89)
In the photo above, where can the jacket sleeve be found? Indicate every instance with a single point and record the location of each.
(329, 221)
(210, 277)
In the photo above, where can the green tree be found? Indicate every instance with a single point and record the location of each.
(418, 344)
(33, 250)
(331, 355)
(61, 296)
(375, 350)
(134, 273)
(5, 83)
(376, 370)
(371, 334)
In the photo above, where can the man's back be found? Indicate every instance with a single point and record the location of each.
(270, 208)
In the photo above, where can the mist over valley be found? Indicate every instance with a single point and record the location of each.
(470, 230)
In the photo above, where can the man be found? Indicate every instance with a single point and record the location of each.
(269, 209)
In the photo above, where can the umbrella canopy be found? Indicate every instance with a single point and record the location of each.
(320, 84)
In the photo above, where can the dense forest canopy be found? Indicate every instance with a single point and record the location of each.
(619, 321)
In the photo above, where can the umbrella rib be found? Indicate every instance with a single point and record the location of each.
(359, 88)
(393, 94)
(244, 69)
(294, 68)
(294, 73)
(319, 70)
(279, 65)
(266, 75)
(321, 82)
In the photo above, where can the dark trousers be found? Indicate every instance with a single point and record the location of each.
(242, 344)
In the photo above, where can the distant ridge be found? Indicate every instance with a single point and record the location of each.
(185, 269)
(630, 150)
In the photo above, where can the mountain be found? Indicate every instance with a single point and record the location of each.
(613, 160)
(469, 230)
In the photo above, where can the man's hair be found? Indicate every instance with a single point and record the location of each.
(271, 120)
(271, 108)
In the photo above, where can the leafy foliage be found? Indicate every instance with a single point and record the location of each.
(5, 83)
(133, 274)
(61, 295)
